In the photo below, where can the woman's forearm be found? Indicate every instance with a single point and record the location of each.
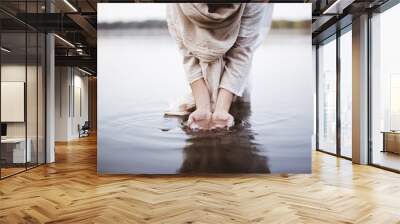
(201, 94)
(224, 100)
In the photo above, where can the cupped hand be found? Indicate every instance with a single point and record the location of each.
(222, 119)
(199, 120)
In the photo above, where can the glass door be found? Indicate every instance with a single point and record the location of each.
(22, 77)
(385, 89)
(327, 96)
(14, 153)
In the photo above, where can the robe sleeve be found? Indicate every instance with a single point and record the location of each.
(191, 66)
(254, 26)
(237, 67)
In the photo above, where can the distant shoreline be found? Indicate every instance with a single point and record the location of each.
(124, 32)
(162, 24)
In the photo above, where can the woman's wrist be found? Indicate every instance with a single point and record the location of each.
(203, 107)
(203, 102)
(201, 95)
(224, 100)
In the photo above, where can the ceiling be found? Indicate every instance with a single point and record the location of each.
(75, 22)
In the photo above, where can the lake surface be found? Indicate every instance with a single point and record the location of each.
(138, 78)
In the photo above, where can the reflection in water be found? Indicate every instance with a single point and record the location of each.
(135, 138)
(232, 151)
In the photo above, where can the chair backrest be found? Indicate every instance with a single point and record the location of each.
(86, 125)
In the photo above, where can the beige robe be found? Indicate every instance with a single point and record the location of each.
(217, 45)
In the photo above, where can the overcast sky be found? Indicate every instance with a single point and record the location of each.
(125, 12)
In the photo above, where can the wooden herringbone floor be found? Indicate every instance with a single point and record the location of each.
(70, 191)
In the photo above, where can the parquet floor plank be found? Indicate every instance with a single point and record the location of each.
(70, 191)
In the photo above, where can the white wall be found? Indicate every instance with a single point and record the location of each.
(12, 73)
(81, 114)
(62, 82)
(34, 125)
(70, 83)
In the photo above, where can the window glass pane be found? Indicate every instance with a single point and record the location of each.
(22, 89)
(14, 153)
(386, 89)
(327, 97)
(346, 93)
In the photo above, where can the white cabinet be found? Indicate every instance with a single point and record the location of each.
(19, 155)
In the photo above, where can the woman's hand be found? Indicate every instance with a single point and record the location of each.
(222, 119)
(200, 119)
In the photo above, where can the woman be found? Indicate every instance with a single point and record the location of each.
(217, 42)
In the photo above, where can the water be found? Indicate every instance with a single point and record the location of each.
(139, 76)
